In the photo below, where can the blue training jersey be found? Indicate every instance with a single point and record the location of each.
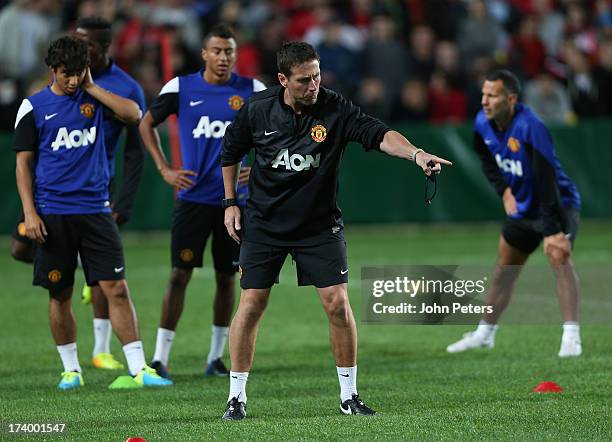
(117, 81)
(204, 111)
(513, 151)
(67, 134)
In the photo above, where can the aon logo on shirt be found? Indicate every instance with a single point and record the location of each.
(210, 129)
(296, 161)
(509, 166)
(74, 138)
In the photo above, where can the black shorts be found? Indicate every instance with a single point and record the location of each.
(19, 234)
(94, 237)
(321, 265)
(526, 234)
(192, 224)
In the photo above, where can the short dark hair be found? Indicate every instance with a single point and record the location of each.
(102, 27)
(293, 53)
(221, 30)
(69, 51)
(511, 83)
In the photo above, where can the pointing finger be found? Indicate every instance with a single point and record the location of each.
(442, 161)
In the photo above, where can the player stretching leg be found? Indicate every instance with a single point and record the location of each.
(542, 203)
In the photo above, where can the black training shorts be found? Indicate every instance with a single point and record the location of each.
(526, 234)
(321, 265)
(94, 237)
(19, 232)
(192, 224)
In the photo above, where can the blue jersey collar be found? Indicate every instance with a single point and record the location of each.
(229, 82)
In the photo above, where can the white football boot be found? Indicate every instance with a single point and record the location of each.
(570, 345)
(472, 340)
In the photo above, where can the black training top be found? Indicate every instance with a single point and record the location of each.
(294, 181)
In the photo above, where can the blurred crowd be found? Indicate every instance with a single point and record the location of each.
(401, 60)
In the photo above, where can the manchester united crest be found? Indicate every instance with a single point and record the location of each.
(235, 102)
(186, 255)
(88, 110)
(318, 133)
(55, 276)
(514, 144)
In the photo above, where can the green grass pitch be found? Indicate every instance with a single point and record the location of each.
(404, 372)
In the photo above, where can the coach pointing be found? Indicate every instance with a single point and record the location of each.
(299, 131)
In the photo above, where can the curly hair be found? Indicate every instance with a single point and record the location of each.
(70, 52)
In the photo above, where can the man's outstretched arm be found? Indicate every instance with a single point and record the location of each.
(397, 145)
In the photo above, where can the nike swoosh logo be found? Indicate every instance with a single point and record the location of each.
(235, 377)
(343, 272)
(48, 117)
(344, 375)
(195, 103)
(487, 141)
(118, 269)
(266, 133)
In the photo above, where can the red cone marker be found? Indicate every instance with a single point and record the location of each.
(547, 387)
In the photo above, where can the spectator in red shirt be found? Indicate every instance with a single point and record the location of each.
(446, 104)
(527, 52)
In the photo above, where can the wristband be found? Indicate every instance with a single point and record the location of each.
(414, 154)
(229, 202)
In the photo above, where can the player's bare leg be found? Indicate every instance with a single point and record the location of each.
(63, 329)
(61, 316)
(174, 298)
(102, 357)
(507, 269)
(342, 328)
(567, 285)
(343, 338)
(243, 334)
(223, 306)
(99, 303)
(224, 298)
(121, 310)
(567, 291)
(124, 322)
(172, 309)
(243, 331)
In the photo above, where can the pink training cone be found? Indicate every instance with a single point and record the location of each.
(547, 387)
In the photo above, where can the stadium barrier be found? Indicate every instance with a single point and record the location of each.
(375, 188)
